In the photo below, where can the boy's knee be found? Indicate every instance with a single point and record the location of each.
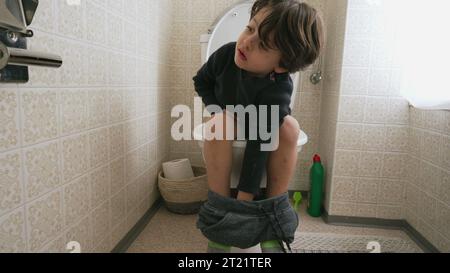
(290, 130)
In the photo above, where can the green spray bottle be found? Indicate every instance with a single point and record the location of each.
(316, 193)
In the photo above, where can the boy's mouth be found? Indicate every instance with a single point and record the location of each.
(242, 55)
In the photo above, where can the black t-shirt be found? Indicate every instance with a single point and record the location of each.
(221, 82)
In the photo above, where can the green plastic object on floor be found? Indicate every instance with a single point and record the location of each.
(297, 200)
(316, 194)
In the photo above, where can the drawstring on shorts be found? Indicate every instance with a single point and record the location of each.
(277, 227)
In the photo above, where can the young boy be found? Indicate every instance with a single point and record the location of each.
(283, 37)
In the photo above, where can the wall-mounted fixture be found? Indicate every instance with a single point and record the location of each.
(317, 77)
(15, 17)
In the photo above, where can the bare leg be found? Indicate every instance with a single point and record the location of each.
(280, 169)
(282, 162)
(218, 156)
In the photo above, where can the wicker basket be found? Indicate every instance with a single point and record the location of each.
(184, 196)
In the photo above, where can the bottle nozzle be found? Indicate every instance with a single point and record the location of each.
(317, 159)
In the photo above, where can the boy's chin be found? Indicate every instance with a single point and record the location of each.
(237, 63)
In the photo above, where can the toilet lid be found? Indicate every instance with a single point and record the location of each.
(229, 27)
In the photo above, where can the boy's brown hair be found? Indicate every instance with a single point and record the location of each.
(295, 29)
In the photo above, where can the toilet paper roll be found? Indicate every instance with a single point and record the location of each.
(179, 169)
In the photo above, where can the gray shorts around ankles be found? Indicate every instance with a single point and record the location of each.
(245, 224)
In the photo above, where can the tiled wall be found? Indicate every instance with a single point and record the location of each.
(427, 206)
(335, 24)
(80, 146)
(371, 149)
(383, 159)
(193, 18)
(307, 111)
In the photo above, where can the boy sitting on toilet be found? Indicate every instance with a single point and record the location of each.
(283, 37)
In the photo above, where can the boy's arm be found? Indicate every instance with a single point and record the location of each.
(255, 160)
(204, 81)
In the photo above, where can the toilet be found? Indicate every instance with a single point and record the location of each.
(225, 29)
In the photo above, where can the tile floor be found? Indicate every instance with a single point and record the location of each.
(172, 233)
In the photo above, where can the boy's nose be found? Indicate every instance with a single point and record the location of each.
(249, 42)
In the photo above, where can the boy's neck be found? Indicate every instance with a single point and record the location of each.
(256, 75)
(264, 75)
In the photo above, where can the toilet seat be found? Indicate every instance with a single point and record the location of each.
(199, 136)
(228, 27)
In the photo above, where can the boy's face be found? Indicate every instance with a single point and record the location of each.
(251, 56)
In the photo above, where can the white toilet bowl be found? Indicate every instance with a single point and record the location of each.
(238, 153)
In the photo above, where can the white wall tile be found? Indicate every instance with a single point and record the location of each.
(371, 164)
(374, 137)
(367, 190)
(99, 147)
(391, 192)
(42, 169)
(376, 110)
(45, 220)
(345, 189)
(351, 108)
(9, 106)
(389, 212)
(74, 113)
(429, 178)
(394, 165)
(347, 163)
(75, 151)
(12, 190)
(100, 186)
(355, 81)
(13, 233)
(397, 139)
(40, 115)
(76, 196)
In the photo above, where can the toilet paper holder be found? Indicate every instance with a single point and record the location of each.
(15, 17)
